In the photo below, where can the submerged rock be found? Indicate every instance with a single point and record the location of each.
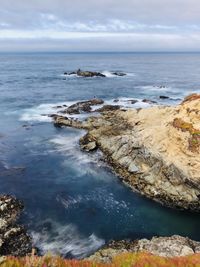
(13, 238)
(170, 247)
(164, 97)
(149, 101)
(119, 74)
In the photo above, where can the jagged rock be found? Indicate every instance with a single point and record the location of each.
(83, 106)
(13, 238)
(87, 143)
(170, 247)
(60, 121)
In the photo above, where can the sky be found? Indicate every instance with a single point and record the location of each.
(100, 25)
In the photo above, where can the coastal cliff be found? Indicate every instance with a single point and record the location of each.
(156, 151)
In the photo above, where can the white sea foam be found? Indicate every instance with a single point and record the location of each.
(69, 146)
(65, 240)
(41, 113)
(156, 88)
(109, 74)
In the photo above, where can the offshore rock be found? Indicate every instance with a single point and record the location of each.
(86, 74)
(170, 247)
(13, 238)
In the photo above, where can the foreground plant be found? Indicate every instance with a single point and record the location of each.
(123, 260)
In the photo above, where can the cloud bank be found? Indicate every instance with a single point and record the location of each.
(91, 25)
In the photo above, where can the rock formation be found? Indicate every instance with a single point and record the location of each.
(156, 151)
(170, 247)
(13, 238)
(89, 74)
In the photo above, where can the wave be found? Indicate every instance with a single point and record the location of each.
(64, 240)
(41, 113)
(69, 146)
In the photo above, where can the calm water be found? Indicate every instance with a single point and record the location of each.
(74, 203)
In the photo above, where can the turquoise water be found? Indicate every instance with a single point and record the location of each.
(74, 203)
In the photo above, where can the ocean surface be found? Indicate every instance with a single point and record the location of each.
(73, 202)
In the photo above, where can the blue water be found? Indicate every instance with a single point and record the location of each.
(73, 201)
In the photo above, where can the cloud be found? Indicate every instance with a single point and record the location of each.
(148, 24)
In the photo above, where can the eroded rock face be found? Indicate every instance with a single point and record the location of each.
(156, 151)
(13, 238)
(162, 246)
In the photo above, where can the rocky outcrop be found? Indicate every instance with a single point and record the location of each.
(156, 151)
(169, 247)
(90, 74)
(86, 74)
(13, 238)
(83, 106)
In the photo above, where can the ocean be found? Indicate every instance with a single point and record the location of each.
(74, 203)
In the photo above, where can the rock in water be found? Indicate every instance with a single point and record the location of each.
(86, 74)
(119, 74)
(13, 238)
(83, 106)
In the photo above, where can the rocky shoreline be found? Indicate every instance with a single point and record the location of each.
(154, 150)
(169, 247)
(13, 238)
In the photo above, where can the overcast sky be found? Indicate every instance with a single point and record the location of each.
(100, 25)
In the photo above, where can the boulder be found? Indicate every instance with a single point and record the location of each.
(87, 143)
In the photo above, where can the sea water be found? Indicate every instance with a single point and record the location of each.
(74, 203)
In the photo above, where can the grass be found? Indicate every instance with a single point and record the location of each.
(123, 260)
